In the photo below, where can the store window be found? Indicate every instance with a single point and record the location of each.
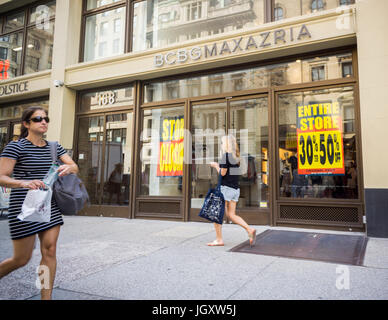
(29, 42)
(161, 155)
(104, 30)
(278, 13)
(317, 144)
(318, 73)
(249, 124)
(294, 8)
(105, 145)
(184, 20)
(10, 115)
(304, 70)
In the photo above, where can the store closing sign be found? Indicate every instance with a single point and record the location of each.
(320, 140)
(170, 160)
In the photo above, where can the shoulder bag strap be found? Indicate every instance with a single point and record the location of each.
(53, 149)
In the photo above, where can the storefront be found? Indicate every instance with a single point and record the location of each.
(305, 104)
(150, 87)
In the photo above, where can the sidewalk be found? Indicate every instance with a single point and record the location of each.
(113, 258)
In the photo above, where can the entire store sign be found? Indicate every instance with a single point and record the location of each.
(170, 160)
(261, 41)
(320, 140)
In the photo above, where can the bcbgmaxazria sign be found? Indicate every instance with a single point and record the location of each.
(261, 41)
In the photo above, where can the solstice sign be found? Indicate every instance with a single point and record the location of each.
(263, 40)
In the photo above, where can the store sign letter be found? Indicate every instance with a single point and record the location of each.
(13, 88)
(262, 41)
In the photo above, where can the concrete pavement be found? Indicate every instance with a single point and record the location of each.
(112, 258)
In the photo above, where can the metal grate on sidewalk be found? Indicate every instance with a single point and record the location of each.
(335, 248)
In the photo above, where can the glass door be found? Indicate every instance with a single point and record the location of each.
(249, 124)
(247, 120)
(104, 159)
(209, 122)
(3, 135)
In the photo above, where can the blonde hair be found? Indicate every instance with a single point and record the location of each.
(229, 144)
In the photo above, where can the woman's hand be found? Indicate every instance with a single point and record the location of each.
(32, 184)
(215, 165)
(65, 169)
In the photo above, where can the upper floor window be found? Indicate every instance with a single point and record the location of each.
(318, 73)
(347, 69)
(194, 10)
(283, 9)
(346, 2)
(157, 24)
(278, 13)
(26, 39)
(162, 23)
(317, 5)
(104, 29)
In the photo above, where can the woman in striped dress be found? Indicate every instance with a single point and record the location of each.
(28, 160)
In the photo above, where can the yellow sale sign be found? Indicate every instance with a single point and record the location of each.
(170, 161)
(319, 139)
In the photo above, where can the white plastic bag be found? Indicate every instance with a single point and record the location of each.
(37, 206)
(4, 197)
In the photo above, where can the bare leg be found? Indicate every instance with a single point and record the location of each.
(22, 252)
(48, 247)
(237, 219)
(218, 228)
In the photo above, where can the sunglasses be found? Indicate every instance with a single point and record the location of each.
(40, 119)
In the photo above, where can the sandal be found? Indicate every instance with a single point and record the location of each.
(215, 243)
(252, 238)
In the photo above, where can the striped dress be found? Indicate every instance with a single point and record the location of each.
(32, 163)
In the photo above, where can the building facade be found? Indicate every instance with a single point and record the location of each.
(141, 92)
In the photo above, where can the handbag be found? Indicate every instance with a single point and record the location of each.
(214, 206)
(69, 191)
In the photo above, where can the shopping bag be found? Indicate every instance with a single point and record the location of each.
(37, 206)
(4, 197)
(214, 206)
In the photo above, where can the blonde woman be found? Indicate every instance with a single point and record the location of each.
(230, 171)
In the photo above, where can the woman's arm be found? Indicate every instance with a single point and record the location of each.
(6, 168)
(69, 166)
(217, 167)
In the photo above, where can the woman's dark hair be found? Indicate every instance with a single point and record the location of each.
(26, 116)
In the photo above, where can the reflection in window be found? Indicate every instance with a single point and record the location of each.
(284, 9)
(346, 2)
(278, 13)
(317, 144)
(102, 32)
(42, 11)
(249, 123)
(318, 73)
(157, 24)
(39, 49)
(347, 69)
(208, 127)
(14, 21)
(38, 21)
(14, 44)
(317, 5)
(293, 72)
